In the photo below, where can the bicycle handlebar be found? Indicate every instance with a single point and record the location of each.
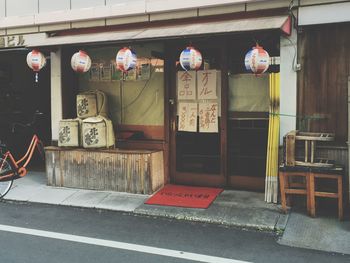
(26, 125)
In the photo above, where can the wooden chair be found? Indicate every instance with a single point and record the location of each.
(335, 173)
(308, 187)
(287, 187)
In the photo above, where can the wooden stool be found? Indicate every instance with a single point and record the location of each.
(288, 188)
(329, 173)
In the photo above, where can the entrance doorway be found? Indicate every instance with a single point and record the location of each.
(197, 121)
(234, 154)
(24, 104)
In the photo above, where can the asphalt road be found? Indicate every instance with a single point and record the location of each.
(49, 234)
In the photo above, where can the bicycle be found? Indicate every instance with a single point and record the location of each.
(12, 169)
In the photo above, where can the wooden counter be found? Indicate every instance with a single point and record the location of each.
(132, 171)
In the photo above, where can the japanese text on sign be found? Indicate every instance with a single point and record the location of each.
(206, 84)
(12, 41)
(208, 117)
(186, 85)
(188, 117)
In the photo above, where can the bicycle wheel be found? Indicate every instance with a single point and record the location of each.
(6, 184)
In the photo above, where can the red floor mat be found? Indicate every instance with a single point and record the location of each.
(184, 196)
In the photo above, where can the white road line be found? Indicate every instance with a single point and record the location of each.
(119, 245)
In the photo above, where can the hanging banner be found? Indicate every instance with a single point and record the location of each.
(188, 113)
(207, 82)
(208, 117)
(186, 85)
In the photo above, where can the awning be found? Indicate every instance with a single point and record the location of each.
(176, 31)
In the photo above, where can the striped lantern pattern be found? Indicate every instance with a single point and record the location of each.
(36, 60)
(190, 58)
(80, 62)
(126, 59)
(257, 60)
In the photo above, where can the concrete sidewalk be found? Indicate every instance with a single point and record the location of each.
(325, 233)
(231, 208)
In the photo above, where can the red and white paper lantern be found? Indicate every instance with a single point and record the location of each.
(126, 59)
(80, 62)
(190, 58)
(36, 61)
(257, 60)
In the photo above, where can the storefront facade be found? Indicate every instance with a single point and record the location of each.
(233, 153)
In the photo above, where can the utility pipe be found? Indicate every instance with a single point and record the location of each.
(348, 142)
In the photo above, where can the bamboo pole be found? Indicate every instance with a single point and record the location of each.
(273, 158)
(269, 149)
(277, 129)
(267, 181)
(271, 181)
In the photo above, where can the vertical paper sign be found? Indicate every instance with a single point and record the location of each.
(206, 84)
(95, 72)
(186, 85)
(208, 117)
(188, 117)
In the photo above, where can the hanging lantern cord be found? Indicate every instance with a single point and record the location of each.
(255, 41)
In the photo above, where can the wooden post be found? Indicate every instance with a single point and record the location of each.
(340, 198)
(283, 193)
(312, 151)
(310, 189)
(306, 150)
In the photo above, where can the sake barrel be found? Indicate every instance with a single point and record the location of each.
(69, 133)
(92, 103)
(97, 132)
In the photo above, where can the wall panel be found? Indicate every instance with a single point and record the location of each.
(49, 5)
(21, 8)
(86, 3)
(322, 82)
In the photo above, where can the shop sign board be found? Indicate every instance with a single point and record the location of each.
(188, 113)
(208, 117)
(186, 85)
(206, 84)
(12, 41)
(19, 40)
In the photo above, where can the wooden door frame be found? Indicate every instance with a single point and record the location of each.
(220, 179)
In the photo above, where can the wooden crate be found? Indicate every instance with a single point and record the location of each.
(309, 157)
(132, 171)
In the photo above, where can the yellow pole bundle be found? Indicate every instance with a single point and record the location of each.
(271, 181)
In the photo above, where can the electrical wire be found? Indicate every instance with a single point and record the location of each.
(295, 64)
(144, 87)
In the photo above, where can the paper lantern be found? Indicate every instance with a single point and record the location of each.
(257, 60)
(126, 59)
(190, 58)
(36, 60)
(80, 62)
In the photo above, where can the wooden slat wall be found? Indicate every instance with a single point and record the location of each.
(139, 172)
(324, 55)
